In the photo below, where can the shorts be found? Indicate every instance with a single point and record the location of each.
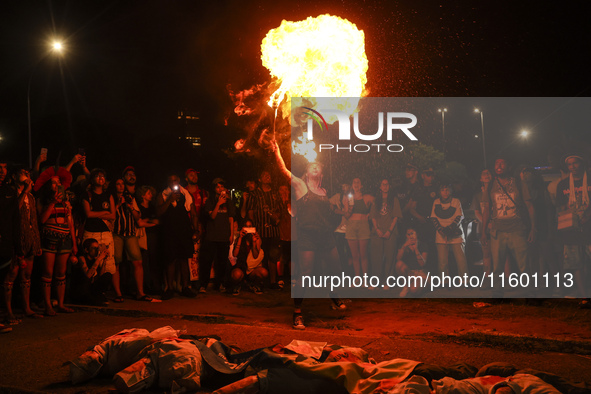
(131, 245)
(574, 256)
(105, 238)
(357, 229)
(56, 238)
(315, 241)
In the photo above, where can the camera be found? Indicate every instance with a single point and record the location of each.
(127, 197)
(250, 230)
(176, 188)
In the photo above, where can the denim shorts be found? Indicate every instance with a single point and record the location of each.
(357, 229)
(130, 244)
(56, 238)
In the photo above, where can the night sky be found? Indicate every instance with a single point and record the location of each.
(130, 66)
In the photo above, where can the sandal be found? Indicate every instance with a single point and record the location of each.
(65, 309)
(4, 329)
(11, 321)
(145, 298)
(118, 299)
(34, 315)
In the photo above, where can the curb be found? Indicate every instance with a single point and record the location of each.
(508, 341)
(202, 318)
(516, 342)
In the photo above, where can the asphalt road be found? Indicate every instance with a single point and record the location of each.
(555, 337)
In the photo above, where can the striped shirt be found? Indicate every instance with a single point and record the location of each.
(263, 204)
(124, 222)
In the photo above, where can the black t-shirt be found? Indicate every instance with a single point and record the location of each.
(218, 229)
(148, 213)
(98, 203)
(409, 257)
(404, 194)
(425, 196)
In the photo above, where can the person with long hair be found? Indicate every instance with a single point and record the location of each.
(314, 227)
(412, 260)
(57, 240)
(148, 239)
(9, 221)
(249, 260)
(385, 214)
(99, 208)
(358, 205)
(127, 216)
(29, 245)
(175, 209)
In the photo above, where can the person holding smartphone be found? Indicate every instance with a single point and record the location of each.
(249, 260)
(176, 211)
(90, 279)
(57, 235)
(218, 236)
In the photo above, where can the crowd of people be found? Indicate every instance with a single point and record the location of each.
(99, 235)
(521, 224)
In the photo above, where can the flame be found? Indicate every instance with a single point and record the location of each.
(239, 145)
(239, 99)
(304, 148)
(317, 57)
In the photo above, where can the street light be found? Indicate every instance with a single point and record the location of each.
(57, 48)
(524, 134)
(443, 111)
(476, 110)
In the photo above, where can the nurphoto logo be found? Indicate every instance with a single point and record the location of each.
(395, 122)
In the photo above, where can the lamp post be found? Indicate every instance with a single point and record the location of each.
(476, 110)
(443, 111)
(56, 47)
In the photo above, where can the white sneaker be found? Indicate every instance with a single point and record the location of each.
(298, 322)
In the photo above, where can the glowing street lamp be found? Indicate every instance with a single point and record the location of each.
(476, 110)
(524, 134)
(57, 47)
(443, 111)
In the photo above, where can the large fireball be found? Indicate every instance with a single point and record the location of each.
(317, 57)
